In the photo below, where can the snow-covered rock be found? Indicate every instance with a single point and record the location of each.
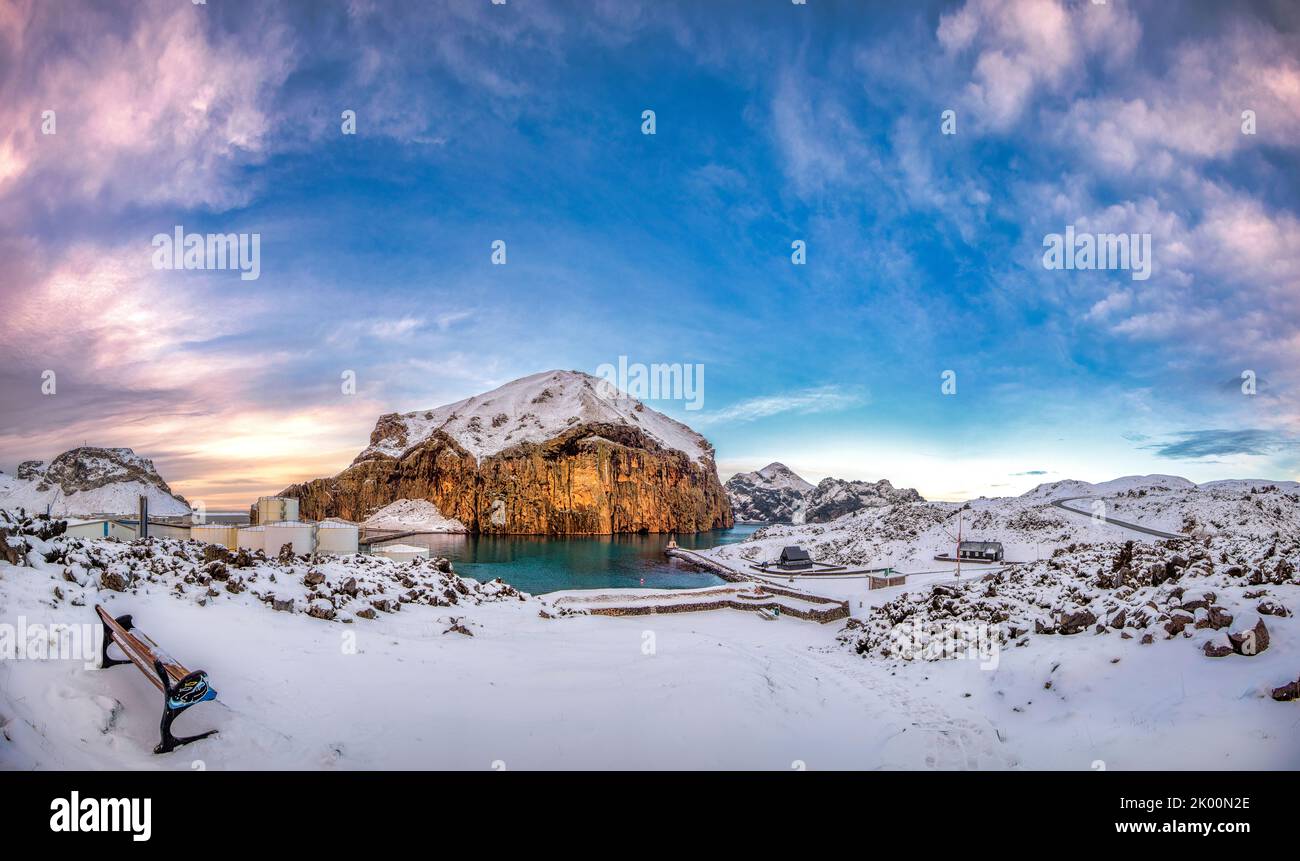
(90, 480)
(1176, 589)
(335, 587)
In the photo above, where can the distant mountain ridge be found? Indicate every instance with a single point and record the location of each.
(776, 494)
(1154, 483)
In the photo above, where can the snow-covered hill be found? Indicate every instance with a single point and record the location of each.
(533, 409)
(90, 480)
(1073, 487)
(908, 535)
(776, 494)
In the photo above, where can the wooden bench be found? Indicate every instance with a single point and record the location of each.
(180, 687)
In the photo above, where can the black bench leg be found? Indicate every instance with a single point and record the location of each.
(168, 742)
(104, 660)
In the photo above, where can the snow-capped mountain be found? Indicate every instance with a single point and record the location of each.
(773, 494)
(560, 452)
(90, 480)
(776, 494)
(532, 409)
(834, 497)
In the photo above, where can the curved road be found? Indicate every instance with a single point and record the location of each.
(1060, 503)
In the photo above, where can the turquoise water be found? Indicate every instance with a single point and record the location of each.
(540, 564)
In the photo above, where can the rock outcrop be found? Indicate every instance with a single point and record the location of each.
(550, 454)
(89, 480)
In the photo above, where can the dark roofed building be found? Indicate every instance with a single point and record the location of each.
(985, 550)
(795, 557)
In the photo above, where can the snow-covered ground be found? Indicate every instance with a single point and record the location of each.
(722, 689)
(418, 514)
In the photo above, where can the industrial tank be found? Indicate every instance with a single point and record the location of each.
(274, 509)
(335, 537)
(301, 535)
(216, 533)
(252, 538)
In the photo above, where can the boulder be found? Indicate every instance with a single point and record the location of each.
(1251, 641)
(1077, 621)
(1215, 617)
(215, 553)
(320, 611)
(1216, 651)
(117, 581)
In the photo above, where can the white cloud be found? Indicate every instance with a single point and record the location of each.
(1024, 47)
(154, 109)
(815, 400)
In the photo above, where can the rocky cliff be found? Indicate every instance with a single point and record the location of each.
(553, 453)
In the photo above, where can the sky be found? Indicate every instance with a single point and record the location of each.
(774, 123)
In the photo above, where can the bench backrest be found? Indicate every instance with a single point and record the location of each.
(142, 651)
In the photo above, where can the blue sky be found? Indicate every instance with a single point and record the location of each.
(775, 122)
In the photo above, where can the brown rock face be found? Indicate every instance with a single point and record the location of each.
(593, 479)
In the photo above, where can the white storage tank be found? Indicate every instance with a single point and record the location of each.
(402, 552)
(87, 529)
(252, 538)
(216, 533)
(333, 536)
(301, 535)
(274, 509)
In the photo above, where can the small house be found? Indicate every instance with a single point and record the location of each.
(984, 551)
(795, 557)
